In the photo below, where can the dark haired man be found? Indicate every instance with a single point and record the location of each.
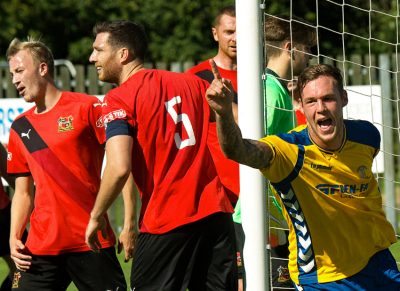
(157, 127)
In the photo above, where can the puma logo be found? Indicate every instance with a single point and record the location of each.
(23, 134)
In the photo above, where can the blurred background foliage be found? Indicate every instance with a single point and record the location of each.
(180, 30)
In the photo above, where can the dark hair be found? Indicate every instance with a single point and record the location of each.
(124, 33)
(281, 29)
(39, 51)
(313, 72)
(227, 10)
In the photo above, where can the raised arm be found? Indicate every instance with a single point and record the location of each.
(245, 151)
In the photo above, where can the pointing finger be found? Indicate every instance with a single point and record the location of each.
(215, 70)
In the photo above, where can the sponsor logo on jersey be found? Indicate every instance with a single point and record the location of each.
(99, 122)
(65, 123)
(321, 167)
(348, 191)
(117, 114)
(15, 282)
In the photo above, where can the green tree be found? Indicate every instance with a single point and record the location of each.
(359, 26)
(178, 30)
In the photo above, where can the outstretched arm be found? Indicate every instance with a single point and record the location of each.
(245, 151)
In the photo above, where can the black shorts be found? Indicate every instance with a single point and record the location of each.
(197, 256)
(240, 237)
(88, 270)
(5, 220)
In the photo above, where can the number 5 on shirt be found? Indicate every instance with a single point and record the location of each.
(191, 140)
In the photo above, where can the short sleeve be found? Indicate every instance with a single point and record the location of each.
(16, 161)
(95, 117)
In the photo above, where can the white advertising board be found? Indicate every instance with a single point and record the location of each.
(10, 108)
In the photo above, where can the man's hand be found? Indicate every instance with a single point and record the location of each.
(91, 238)
(18, 255)
(127, 241)
(220, 94)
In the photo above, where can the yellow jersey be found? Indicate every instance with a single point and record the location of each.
(331, 202)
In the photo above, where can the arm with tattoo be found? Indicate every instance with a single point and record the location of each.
(245, 151)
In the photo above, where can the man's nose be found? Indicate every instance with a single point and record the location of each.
(321, 105)
(92, 57)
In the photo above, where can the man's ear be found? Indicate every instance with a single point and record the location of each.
(124, 55)
(345, 99)
(287, 47)
(301, 104)
(43, 69)
(214, 33)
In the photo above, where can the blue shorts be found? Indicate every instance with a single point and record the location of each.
(381, 273)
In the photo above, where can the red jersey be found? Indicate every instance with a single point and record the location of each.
(301, 118)
(171, 163)
(227, 169)
(203, 70)
(63, 151)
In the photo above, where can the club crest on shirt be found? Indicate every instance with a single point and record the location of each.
(15, 282)
(65, 123)
(363, 172)
(9, 156)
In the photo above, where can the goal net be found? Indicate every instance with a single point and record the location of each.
(362, 39)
